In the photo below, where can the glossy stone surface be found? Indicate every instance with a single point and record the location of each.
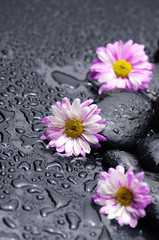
(46, 49)
(112, 158)
(152, 180)
(128, 116)
(148, 152)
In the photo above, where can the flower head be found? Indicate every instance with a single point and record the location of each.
(74, 128)
(123, 196)
(122, 65)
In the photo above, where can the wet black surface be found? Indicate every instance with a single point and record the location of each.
(128, 116)
(46, 49)
(112, 158)
(149, 156)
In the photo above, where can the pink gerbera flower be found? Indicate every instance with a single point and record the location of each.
(122, 65)
(122, 195)
(74, 128)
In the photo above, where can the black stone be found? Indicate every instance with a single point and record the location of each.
(153, 91)
(112, 158)
(128, 116)
(141, 232)
(148, 152)
(46, 49)
(152, 210)
(156, 108)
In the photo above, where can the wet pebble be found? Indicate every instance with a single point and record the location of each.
(148, 152)
(156, 108)
(112, 158)
(128, 116)
(152, 179)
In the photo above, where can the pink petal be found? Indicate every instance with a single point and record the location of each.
(61, 149)
(46, 121)
(133, 222)
(120, 50)
(92, 109)
(58, 105)
(86, 103)
(63, 139)
(139, 176)
(76, 106)
(84, 145)
(100, 137)
(66, 102)
(103, 56)
(104, 175)
(77, 147)
(90, 138)
(83, 152)
(69, 146)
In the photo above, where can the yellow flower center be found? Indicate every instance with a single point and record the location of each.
(124, 196)
(122, 68)
(73, 128)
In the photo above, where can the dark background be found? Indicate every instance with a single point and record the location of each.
(43, 194)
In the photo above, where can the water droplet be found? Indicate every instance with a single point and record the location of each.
(58, 175)
(9, 222)
(89, 214)
(40, 197)
(2, 165)
(89, 185)
(51, 231)
(21, 153)
(73, 220)
(58, 202)
(34, 190)
(35, 231)
(83, 174)
(21, 182)
(27, 208)
(37, 166)
(32, 115)
(93, 234)
(55, 165)
(11, 205)
(6, 115)
(6, 191)
(65, 79)
(68, 168)
(61, 222)
(24, 165)
(89, 166)
(26, 236)
(20, 130)
(72, 180)
(16, 158)
(65, 185)
(30, 142)
(52, 181)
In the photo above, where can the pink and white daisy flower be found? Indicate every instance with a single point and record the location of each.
(122, 195)
(122, 65)
(74, 128)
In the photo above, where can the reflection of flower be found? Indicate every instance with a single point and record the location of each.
(121, 65)
(74, 128)
(122, 195)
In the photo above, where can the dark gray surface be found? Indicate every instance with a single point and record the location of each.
(128, 115)
(44, 196)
